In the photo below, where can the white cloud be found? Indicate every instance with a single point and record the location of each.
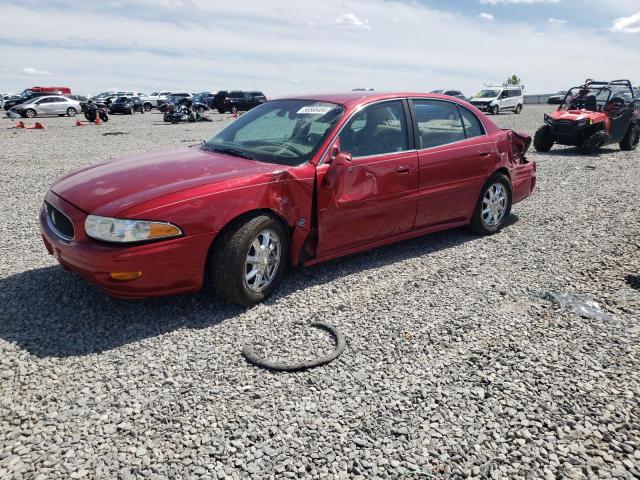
(351, 21)
(486, 16)
(627, 24)
(33, 72)
(557, 21)
(516, 2)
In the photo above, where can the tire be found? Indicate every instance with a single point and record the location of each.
(30, 113)
(220, 110)
(147, 107)
(201, 110)
(229, 260)
(518, 109)
(104, 117)
(495, 110)
(489, 217)
(130, 111)
(234, 109)
(543, 139)
(166, 117)
(631, 139)
(71, 112)
(593, 142)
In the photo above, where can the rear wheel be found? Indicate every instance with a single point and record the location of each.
(593, 142)
(631, 139)
(494, 206)
(543, 139)
(71, 112)
(234, 109)
(249, 259)
(147, 107)
(518, 110)
(30, 113)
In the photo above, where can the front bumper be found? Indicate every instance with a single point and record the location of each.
(169, 267)
(482, 106)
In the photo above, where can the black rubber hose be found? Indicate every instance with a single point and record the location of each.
(340, 341)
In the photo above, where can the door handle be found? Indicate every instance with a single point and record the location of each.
(403, 169)
(484, 154)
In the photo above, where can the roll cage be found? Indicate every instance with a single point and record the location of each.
(593, 89)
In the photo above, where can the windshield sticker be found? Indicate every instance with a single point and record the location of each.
(315, 109)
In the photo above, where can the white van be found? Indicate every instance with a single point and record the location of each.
(500, 98)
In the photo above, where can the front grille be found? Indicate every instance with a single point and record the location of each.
(563, 127)
(59, 222)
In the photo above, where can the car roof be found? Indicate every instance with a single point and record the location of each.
(355, 98)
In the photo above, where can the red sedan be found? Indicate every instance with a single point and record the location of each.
(294, 181)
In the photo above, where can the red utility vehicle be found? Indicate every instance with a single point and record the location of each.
(293, 181)
(591, 116)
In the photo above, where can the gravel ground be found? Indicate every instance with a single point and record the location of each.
(458, 362)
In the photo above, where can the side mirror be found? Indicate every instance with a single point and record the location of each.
(339, 165)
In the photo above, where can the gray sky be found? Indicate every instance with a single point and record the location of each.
(288, 46)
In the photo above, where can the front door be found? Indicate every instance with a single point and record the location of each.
(376, 197)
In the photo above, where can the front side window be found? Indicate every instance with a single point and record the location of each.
(286, 132)
(375, 130)
(439, 123)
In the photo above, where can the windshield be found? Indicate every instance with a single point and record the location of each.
(487, 94)
(286, 132)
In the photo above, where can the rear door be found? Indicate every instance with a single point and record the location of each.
(377, 196)
(455, 155)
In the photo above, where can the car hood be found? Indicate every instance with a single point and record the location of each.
(109, 188)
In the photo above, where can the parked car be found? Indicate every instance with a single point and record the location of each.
(208, 98)
(25, 97)
(593, 115)
(294, 181)
(151, 101)
(451, 93)
(556, 98)
(7, 98)
(48, 105)
(126, 105)
(80, 99)
(238, 101)
(500, 98)
(173, 97)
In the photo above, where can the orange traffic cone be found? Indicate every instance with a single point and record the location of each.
(36, 126)
(98, 121)
(19, 124)
(78, 123)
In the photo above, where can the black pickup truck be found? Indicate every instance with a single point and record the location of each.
(238, 101)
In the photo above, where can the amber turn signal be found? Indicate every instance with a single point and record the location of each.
(122, 276)
(159, 230)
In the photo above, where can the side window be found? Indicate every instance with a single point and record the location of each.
(438, 123)
(472, 126)
(376, 130)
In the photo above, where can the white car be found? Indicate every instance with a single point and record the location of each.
(151, 101)
(498, 99)
(53, 105)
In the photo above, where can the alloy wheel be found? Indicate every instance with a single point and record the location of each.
(263, 259)
(494, 205)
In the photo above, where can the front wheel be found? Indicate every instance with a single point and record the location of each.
(631, 139)
(495, 110)
(543, 139)
(593, 142)
(518, 110)
(248, 260)
(71, 112)
(147, 107)
(30, 113)
(166, 117)
(494, 206)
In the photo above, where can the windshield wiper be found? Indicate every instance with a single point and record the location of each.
(229, 151)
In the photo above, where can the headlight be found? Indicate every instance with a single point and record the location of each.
(124, 230)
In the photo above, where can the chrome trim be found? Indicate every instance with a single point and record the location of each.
(54, 228)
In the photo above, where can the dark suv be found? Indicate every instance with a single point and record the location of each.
(236, 100)
(126, 105)
(23, 98)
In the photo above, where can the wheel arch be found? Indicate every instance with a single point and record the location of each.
(235, 221)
